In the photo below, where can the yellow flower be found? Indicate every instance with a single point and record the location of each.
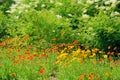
(93, 54)
(88, 51)
(94, 50)
(74, 59)
(83, 51)
(70, 47)
(62, 55)
(57, 61)
(101, 52)
(63, 50)
(85, 55)
(106, 74)
(105, 56)
(76, 53)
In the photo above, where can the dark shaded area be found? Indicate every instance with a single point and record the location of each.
(117, 7)
(92, 11)
(5, 5)
(74, 24)
(110, 39)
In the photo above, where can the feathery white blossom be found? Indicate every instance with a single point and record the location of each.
(85, 16)
(59, 16)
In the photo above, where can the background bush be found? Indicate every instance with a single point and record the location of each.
(3, 22)
(94, 23)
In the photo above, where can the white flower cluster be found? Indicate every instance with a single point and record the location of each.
(59, 16)
(85, 16)
(90, 1)
(59, 3)
(109, 4)
(20, 6)
(114, 14)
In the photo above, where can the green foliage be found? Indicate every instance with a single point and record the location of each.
(5, 5)
(76, 69)
(3, 22)
(94, 23)
(99, 31)
(39, 25)
(69, 7)
(106, 29)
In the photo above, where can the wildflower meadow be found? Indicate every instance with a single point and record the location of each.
(59, 40)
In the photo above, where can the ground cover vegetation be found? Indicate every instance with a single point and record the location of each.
(59, 39)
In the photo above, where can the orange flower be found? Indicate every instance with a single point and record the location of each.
(91, 75)
(13, 74)
(48, 50)
(81, 60)
(27, 52)
(62, 45)
(108, 52)
(85, 55)
(102, 60)
(0, 64)
(115, 48)
(97, 76)
(18, 50)
(42, 70)
(13, 58)
(34, 54)
(81, 78)
(55, 48)
(44, 55)
(16, 61)
(109, 47)
(118, 54)
(54, 39)
(76, 42)
(83, 75)
(87, 47)
(112, 53)
(0, 57)
(110, 58)
(28, 47)
(19, 56)
(94, 50)
(30, 58)
(12, 48)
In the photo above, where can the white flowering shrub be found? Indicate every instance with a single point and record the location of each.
(20, 6)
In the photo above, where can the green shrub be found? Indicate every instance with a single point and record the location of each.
(95, 23)
(39, 25)
(101, 30)
(3, 22)
(5, 5)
